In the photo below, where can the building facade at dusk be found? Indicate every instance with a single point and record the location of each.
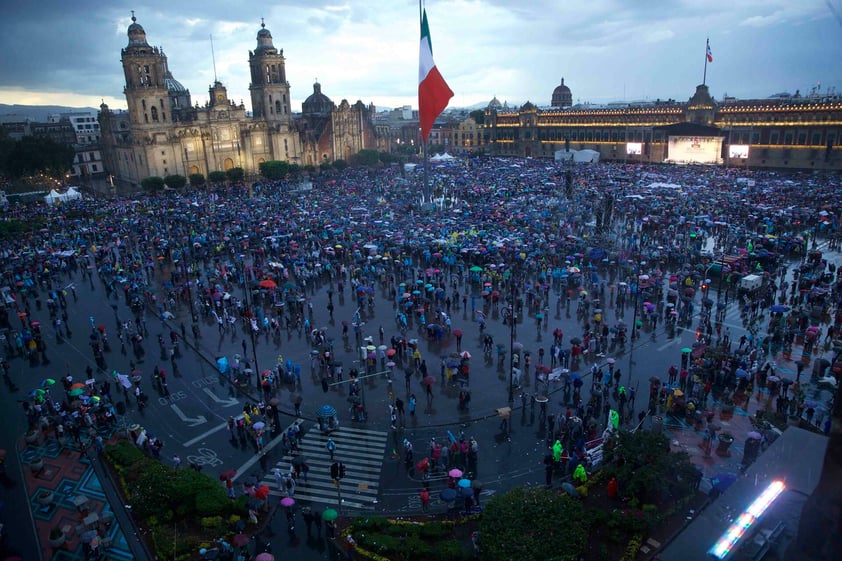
(780, 132)
(164, 133)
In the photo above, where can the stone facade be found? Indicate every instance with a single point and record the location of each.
(164, 133)
(794, 132)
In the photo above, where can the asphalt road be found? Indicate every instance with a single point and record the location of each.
(190, 418)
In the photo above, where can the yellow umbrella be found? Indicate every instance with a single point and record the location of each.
(677, 393)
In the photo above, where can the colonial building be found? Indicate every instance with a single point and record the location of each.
(164, 133)
(781, 132)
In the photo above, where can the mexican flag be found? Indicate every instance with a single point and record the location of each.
(433, 91)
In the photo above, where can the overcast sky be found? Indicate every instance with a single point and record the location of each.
(68, 53)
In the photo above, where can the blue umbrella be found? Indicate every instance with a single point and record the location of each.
(779, 308)
(466, 492)
(464, 483)
(448, 495)
(741, 373)
(326, 411)
(721, 481)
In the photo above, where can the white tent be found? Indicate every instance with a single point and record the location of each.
(55, 197)
(442, 158)
(578, 156)
(589, 156)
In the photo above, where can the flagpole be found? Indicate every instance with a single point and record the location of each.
(425, 188)
(705, 75)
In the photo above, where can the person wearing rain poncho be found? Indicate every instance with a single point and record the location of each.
(580, 476)
(557, 450)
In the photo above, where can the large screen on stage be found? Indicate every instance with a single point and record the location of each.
(738, 151)
(695, 149)
(634, 148)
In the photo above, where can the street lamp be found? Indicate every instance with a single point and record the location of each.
(512, 324)
(634, 317)
(250, 328)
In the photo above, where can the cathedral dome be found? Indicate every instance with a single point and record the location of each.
(562, 96)
(137, 35)
(264, 40)
(494, 104)
(174, 85)
(317, 102)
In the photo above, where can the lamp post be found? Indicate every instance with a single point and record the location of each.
(512, 323)
(251, 330)
(634, 318)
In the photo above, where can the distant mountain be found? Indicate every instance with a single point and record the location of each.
(40, 113)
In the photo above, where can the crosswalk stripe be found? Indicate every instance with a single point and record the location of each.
(362, 451)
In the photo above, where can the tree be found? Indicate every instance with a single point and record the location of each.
(532, 525)
(175, 181)
(153, 183)
(478, 116)
(324, 166)
(36, 154)
(647, 470)
(340, 165)
(367, 157)
(216, 177)
(235, 174)
(197, 179)
(274, 170)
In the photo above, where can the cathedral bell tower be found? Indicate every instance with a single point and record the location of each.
(146, 72)
(269, 87)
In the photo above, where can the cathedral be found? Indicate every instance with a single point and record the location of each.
(164, 133)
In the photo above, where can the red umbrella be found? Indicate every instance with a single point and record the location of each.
(457, 332)
(262, 492)
(268, 283)
(423, 465)
(391, 352)
(429, 380)
(227, 474)
(240, 540)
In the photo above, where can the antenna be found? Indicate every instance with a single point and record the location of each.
(213, 58)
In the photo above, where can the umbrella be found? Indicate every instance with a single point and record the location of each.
(326, 411)
(454, 473)
(77, 385)
(287, 501)
(465, 492)
(422, 465)
(47, 382)
(570, 489)
(274, 401)
(448, 495)
(265, 557)
(611, 361)
(654, 380)
(517, 346)
(774, 379)
(575, 341)
(779, 308)
(268, 283)
(686, 350)
(240, 540)
(464, 482)
(227, 474)
(391, 352)
(329, 514)
(721, 481)
(457, 332)
(742, 373)
(476, 484)
(262, 492)
(76, 392)
(475, 269)
(259, 425)
(754, 434)
(86, 537)
(465, 354)
(677, 393)
(429, 380)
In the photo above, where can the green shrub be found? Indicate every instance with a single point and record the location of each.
(450, 550)
(379, 543)
(211, 522)
(210, 503)
(401, 530)
(416, 548)
(124, 454)
(434, 530)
